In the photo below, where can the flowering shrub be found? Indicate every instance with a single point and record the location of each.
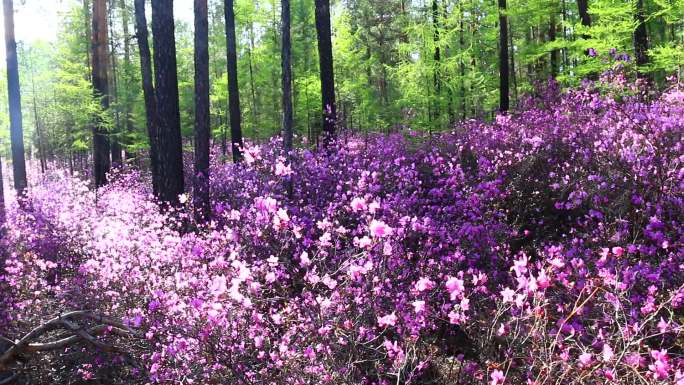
(544, 247)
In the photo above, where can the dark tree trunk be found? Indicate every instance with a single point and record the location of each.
(202, 118)
(461, 44)
(437, 57)
(100, 85)
(233, 90)
(2, 199)
(14, 97)
(583, 8)
(503, 58)
(552, 38)
(640, 37)
(115, 138)
(168, 113)
(287, 77)
(286, 57)
(148, 91)
(128, 118)
(325, 58)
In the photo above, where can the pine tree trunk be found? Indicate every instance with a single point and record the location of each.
(148, 91)
(128, 118)
(202, 117)
(437, 58)
(14, 93)
(171, 184)
(552, 38)
(325, 58)
(2, 199)
(287, 77)
(233, 90)
(101, 146)
(583, 9)
(117, 158)
(503, 58)
(640, 38)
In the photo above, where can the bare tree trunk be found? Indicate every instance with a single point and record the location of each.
(128, 118)
(171, 183)
(14, 96)
(325, 58)
(552, 38)
(117, 158)
(504, 101)
(233, 90)
(202, 117)
(100, 85)
(640, 38)
(148, 91)
(286, 57)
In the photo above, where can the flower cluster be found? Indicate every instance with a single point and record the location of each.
(544, 247)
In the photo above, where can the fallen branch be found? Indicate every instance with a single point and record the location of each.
(67, 322)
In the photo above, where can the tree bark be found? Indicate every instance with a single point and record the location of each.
(115, 138)
(503, 58)
(14, 97)
(233, 89)
(583, 9)
(2, 199)
(325, 58)
(437, 56)
(640, 38)
(171, 184)
(101, 88)
(128, 118)
(552, 38)
(287, 77)
(202, 117)
(148, 91)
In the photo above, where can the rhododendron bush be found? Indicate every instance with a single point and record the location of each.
(544, 247)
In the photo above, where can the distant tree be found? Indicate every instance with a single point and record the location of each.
(325, 59)
(14, 96)
(286, 56)
(202, 118)
(148, 90)
(233, 90)
(503, 58)
(171, 184)
(101, 87)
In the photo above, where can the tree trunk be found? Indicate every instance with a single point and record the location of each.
(583, 8)
(552, 38)
(2, 199)
(640, 38)
(171, 184)
(233, 90)
(14, 97)
(503, 58)
(100, 85)
(148, 91)
(437, 57)
(325, 59)
(287, 77)
(117, 158)
(128, 118)
(202, 117)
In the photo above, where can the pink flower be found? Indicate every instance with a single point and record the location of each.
(585, 359)
(358, 204)
(455, 287)
(388, 320)
(607, 353)
(418, 306)
(507, 295)
(497, 377)
(379, 229)
(282, 169)
(363, 242)
(424, 284)
(618, 251)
